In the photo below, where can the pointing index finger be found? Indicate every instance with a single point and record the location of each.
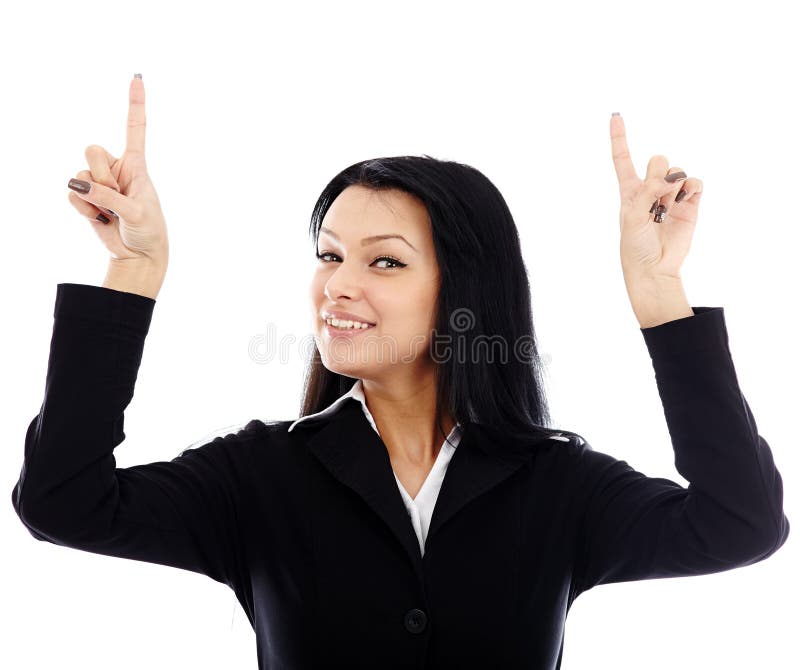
(136, 118)
(619, 152)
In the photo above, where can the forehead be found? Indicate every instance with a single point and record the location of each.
(359, 211)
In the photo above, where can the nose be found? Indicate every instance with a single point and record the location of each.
(343, 283)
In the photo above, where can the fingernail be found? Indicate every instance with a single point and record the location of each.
(675, 176)
(681, 195)
(113, 213)
(79, 185)
(137, 76)
(614, 113)
(102, 218)
(653, 208)
(660, 210)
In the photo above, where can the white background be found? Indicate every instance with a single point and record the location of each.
(251, 109)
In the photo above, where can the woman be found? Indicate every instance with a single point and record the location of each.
(419, 513)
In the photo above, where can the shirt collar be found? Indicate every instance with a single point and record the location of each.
(357, 392)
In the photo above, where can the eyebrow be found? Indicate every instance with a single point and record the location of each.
(367, 240)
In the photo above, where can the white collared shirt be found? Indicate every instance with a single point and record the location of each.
(420, 508)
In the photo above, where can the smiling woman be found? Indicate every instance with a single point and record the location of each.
(421, 511)
(428, 251)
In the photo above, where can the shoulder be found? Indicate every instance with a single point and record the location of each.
(564, 447)
(573, 439)
(539, 445)
(543, 437)
(255, 432)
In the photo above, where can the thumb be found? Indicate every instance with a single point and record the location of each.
(103, 196)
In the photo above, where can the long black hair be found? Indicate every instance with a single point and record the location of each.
(484, 297)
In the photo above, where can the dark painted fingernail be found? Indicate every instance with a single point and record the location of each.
(653, 208)
(102, 218)
(681, 195)
(138, 75)
(675, 176)
(79, 185)
(113, 213)
(659, 217)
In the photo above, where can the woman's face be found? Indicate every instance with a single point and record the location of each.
(397, 296)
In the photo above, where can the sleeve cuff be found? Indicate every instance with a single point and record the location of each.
(99, 303)
(703, 331)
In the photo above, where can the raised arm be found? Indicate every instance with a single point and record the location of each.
(635, 527)
(183, 513)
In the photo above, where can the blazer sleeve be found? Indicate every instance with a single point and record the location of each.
(635, 527)
(181, 513)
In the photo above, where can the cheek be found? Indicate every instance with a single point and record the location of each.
(317, 288)
(411, 309)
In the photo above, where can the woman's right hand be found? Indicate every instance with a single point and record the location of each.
(120, 190)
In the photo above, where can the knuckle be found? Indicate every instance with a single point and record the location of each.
(81, 205)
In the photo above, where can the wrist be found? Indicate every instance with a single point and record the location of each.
(141, 276)
(657, 300)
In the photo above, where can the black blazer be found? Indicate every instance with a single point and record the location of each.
(310, 531)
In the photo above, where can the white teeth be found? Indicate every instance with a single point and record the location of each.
(347, 324)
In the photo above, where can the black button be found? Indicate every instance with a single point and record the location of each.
(415, 621)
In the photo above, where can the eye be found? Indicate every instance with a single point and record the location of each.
(396, 264)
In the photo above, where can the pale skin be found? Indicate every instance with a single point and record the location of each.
(652, 253)
(398, 380)
(399, 387)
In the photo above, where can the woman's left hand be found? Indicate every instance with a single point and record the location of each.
(651, 249)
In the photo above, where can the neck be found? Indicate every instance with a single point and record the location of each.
(405, 415)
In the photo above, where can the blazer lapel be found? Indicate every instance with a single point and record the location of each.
(356, 455)
(480, 462)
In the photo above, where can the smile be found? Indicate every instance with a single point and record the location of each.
(345, 331)
(347, 325)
